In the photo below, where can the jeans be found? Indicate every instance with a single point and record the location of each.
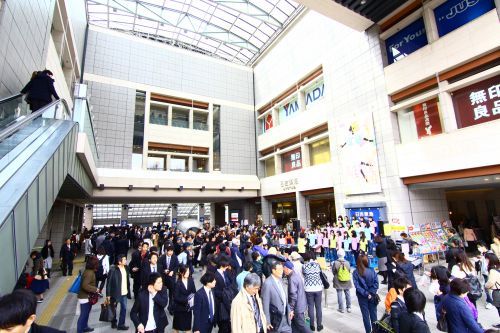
(327, 254)
(368, 311)
(83, 320)
(489, 299)
(299, 323)
(340, 299)
(314, 301)
(122, 300)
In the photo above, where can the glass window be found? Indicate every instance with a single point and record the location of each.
(406, 41)
(158, 114)
(270, 170)
(200, 164)
(421, 120)
(156, 162)
(180, 117)
(216, 138)
(320, 152)
(179, 163)
(291, 160)
(289, 110)
(138, 138)
(200, 121)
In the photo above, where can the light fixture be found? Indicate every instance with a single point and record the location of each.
(497, 178)
(101, 187)
(223, 188)
(180, 188)
(486, 179)
(130, 187)
(241, 189)
(157, 187)
(202, 188)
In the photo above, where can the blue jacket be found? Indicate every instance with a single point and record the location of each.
(458, 315)
(367, 284)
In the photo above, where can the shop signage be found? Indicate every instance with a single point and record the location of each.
(477, 103)
(427, 118)
(289, 185)
(290, 109)
(268, 122)
(455, 13)
(365, 213)
(235, 216)
(406, 41)
(292, 160)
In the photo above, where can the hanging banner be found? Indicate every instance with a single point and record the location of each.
(427, 118)
(477, 103)
(292, 160)
(455, 13)
(268, 122)
(406, 41)
(358, 156)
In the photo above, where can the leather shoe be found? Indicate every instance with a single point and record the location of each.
(113, 325)
(88, 329)
(122, 328)
(320, 327)
(312, 328)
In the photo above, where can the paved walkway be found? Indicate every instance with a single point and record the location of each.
(67, 315)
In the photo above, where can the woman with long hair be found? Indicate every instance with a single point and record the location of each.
(406, 267)
(183, 298)
(440, 285)
(464, 269)
(87, 287)
(366, 284)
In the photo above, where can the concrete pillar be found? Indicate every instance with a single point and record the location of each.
(88, 217)
(430, 24)
(267, 211)
(173, 218)
(447, 110)
(303, 213)
(301, 99)
(124, 214)
(497, 4)
(191, 118)
(212, 214)
(190, 164)
(276, 116)
(306, 157)
(277, 164)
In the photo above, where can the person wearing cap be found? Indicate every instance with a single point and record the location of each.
(297, 263)
(296, 298)
(342, 287)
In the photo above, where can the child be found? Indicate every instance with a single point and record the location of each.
(333, 247)
(326, 246)
(354, 245)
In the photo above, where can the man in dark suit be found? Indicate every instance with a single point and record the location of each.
(139, 257)
(116, 292)
(140, 311)
(18, 313)
(67, 255)
(225, 290)
(169, 266)
(148, 268)
(204, 311)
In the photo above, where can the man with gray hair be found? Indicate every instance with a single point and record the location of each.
(247, 314)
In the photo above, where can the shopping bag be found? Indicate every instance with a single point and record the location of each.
(75, 287)
(108, 312)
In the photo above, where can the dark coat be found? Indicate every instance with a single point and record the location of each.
(398, 308)
(407, 268)
(140, 309)
(201, 312)
(114, 283)
(47, 251)
(146, 272)
(411, 323)
(181, 295)
(67, 254)
(43, 329)
(173, 266)
(458, 315)
(136, 262)
(224, 292)
(121, 246)
(41, 88)
(381, 249)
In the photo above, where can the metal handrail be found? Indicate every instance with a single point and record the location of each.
(15, 127)
(8, 99)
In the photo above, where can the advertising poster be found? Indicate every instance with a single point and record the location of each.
(358, 156)
(427, 118)
(477, 103)
(268, 122)
(406, 41)
(455, 13)
(292, 160)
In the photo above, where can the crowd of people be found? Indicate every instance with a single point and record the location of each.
(265, 279)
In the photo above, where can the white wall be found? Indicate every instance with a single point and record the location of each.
(54, 63)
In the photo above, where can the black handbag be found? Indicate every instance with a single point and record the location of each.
(108, 313)
(276, 316)
(442, 324)
(326, 284)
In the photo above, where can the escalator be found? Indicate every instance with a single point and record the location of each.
(37, 153)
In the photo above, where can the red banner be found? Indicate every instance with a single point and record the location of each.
(292, 160)
(477, 103)
(268, 122)
(427, 118)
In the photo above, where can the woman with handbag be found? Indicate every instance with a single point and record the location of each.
(366, 284)
(313, 286)
(183, 300)
(87, 296)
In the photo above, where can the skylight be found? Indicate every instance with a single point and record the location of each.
(233, 30)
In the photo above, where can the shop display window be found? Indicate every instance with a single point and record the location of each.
(419, 121)
(270, 169)
(180, 117)
(179, 163)
(158, 114)
(320, 152)
(156, 162)
(200, 164)
(200, 121)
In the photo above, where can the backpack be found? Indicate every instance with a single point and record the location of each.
(343, 274)
(383, 325)
(476, 290)
(99, 274)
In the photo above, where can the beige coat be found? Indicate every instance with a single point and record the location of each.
(242, 316)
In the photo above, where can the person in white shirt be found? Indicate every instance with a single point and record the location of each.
(148, 313)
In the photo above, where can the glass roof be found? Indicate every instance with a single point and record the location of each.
(234, 30)
(137, 211)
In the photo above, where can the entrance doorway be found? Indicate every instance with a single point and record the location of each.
(284, 211)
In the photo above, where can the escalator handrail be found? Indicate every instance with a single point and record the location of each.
(19, 124)
(8, 99)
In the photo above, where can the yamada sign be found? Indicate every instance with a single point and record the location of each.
(478, 103)
(290, 109)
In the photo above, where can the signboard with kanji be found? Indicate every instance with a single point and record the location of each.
(427, 118)
(477, 103)
(292, 160)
